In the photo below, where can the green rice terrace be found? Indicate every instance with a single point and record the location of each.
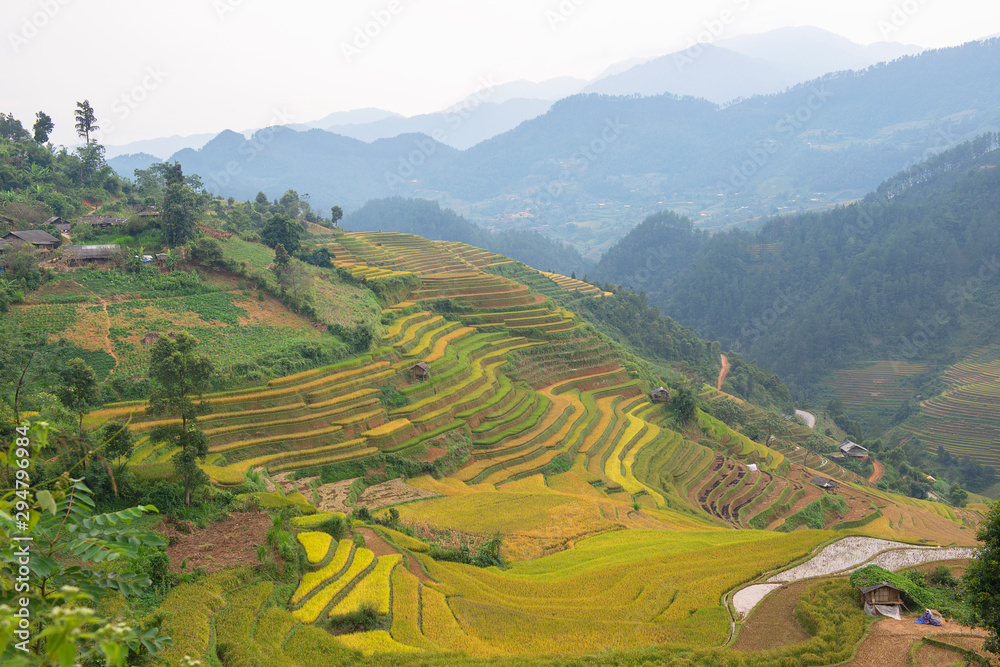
(964, 418)
(489, 480)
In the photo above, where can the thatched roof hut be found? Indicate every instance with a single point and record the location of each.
(824, 482)
(660, 395)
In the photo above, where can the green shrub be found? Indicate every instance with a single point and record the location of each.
(392, 398)
(166, 497)
(942, 576)
(153, 562)
(335, 526)
(363, 620)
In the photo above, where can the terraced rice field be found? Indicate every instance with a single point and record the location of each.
(879, 386)
(574, 285)
(617, 522)
(335, 414)
(965, 419)
(624, 588)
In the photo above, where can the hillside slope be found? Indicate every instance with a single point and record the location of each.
(537, 429)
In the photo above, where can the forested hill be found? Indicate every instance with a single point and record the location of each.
(653, 255)
(428, 219)
(908, 273)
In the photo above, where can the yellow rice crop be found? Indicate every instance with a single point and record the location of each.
(375, 641)
(274, 438)
(626, 588)
(387, 429)
(373, 589)
(317, 545)
(404, 540)
(406, 609)
(604, 405)
(442, 343)
(441, 628)
(315, 519)
(225, 476)
(311, 610)
(257, 461)
(311, 580)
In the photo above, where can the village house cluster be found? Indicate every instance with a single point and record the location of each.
(74, 255)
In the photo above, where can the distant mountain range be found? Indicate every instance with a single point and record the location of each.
(807, 293)
(749, 65)
(592, 166)
(737, 67)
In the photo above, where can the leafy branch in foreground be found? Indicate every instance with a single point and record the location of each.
(44, 617)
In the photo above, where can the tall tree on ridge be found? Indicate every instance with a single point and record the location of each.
(86, 121)
(43, 127)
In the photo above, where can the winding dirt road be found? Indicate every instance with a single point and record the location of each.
(878, 472)
(808, 417)
(723, 372)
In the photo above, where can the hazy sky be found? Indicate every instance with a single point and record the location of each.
(156, 68)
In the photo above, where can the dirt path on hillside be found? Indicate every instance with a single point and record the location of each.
(723, 372)
(107, 326)
(107, 333)
(878, 472)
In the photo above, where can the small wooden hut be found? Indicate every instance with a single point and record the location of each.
(421, 371)
(824, 482)
(882, 593)
(59, 223)
(660, 395)
(103, 221)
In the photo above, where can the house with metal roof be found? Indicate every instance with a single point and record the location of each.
(32, 237)
(80, 254)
